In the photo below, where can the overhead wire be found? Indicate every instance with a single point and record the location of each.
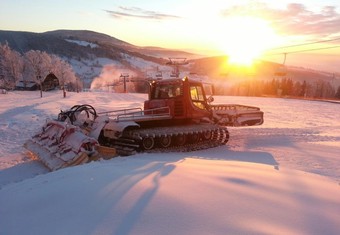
(285, 53)
(304, 44)
(301, 51)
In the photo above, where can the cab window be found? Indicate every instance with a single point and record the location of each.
(197, 97)
(196, 93)
(167, 91)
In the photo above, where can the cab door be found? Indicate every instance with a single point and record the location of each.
(198, 102)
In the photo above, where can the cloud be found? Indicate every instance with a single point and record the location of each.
(294, 19)
(136, 12)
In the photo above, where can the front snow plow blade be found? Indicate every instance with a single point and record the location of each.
(237, 115)
(59, 145)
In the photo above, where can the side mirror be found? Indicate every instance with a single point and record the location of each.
(210, 99)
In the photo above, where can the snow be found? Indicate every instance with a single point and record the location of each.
(279, 178)
(82, 43)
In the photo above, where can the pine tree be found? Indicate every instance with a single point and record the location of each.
(337, 94)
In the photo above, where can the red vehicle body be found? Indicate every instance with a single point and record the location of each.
(178, 115)
(185, 99)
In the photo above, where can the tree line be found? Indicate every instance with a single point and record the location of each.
(278, 87)
(33, 65)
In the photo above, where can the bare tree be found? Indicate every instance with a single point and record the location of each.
(64, 72)
(11, 66)
(39, 64)
(35, 65)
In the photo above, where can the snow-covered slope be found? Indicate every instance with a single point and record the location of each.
(278, 178)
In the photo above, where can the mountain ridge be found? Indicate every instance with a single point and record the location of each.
(62, 42)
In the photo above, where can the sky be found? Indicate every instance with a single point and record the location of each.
(242, 29)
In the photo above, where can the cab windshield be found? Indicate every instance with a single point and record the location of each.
(164, 91)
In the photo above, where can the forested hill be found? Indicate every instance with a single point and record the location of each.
(61, 43)
(91, 54)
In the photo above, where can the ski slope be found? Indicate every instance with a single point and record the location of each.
(279, 178)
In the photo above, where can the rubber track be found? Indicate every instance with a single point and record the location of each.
(220, 136)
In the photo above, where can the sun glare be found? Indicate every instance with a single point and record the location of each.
(244, 39)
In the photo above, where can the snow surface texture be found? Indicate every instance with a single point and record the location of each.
(278, 178)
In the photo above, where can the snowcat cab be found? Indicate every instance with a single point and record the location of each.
(185, 99)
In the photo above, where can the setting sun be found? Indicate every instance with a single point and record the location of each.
(245, 39)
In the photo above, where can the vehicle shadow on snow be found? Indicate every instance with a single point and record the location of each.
(136, 177)
(224, 153)
(124, 185)
(148, 170)
(134, 214)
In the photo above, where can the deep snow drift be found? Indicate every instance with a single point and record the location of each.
(278, 178)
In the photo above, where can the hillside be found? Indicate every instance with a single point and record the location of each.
(96, 55)
(58, 42)
(92, 54)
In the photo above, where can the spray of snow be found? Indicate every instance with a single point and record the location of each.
(110, 78)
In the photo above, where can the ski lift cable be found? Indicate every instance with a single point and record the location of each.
(313, 49)
(303, 44)
(302, 51)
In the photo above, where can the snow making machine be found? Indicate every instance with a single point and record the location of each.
(177, 116)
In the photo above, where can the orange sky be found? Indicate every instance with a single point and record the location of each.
(242, 29)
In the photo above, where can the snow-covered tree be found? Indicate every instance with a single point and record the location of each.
(63, 71)
(34, 65)
(38, 65)
(11, 66)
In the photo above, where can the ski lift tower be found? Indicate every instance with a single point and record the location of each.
(124, 76)
(176, 62)
(281, 71)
